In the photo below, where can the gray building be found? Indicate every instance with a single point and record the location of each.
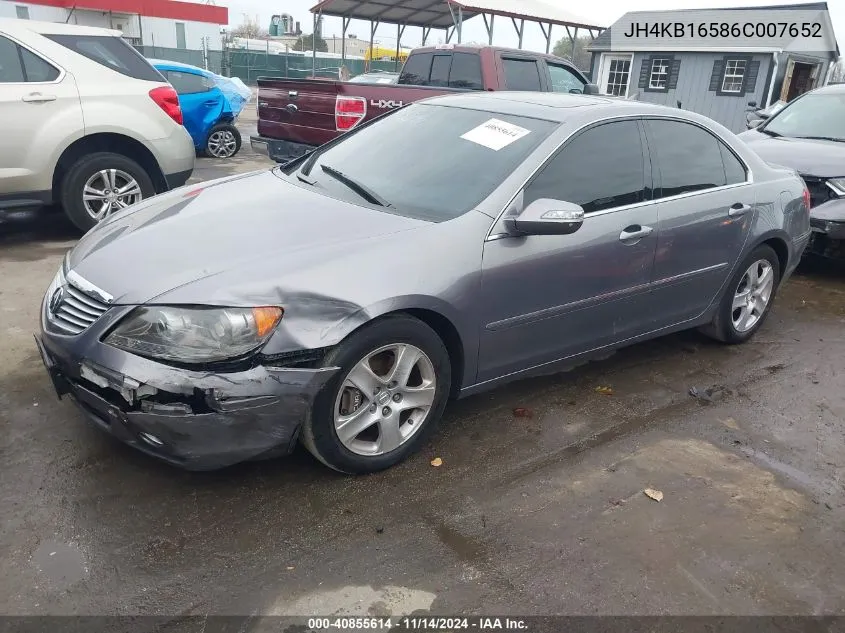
(718, 82)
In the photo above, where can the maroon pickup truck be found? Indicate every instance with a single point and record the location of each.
(297, 115)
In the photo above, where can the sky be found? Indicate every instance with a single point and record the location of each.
(603, 12)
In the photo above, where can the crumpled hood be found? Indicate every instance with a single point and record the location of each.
(242, 226)
(825, 159)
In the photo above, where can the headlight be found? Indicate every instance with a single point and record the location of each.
(194, 335)
(837, 185)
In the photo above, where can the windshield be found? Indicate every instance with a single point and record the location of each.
(816, 115)
(425, 161)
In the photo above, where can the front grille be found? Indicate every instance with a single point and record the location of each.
(76, 310)
(819, 191)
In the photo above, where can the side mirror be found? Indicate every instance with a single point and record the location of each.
(591, 89)
(546, 217)
(753, 104)
(754, 123)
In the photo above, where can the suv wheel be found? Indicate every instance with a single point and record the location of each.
(101, 184)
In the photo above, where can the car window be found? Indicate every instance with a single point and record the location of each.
(19, 65)
(600, 168)
(564, 80)
(461, 155)
(466, 72)
(440, 70)
(11, 70)
(417, 69)
(522, 74)
(689, 157)
(188, 83)
(112, 52)
(734, 169)
(815, 114)
(36, 69)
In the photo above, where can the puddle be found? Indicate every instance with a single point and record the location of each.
(63, 565)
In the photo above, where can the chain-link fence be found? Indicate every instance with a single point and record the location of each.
(249, 65)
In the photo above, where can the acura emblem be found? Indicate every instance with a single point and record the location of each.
(56, 300)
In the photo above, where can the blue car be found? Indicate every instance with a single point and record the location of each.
(207, 110)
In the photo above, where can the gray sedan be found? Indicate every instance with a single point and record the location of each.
(342, 299)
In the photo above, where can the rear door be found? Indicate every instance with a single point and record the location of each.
(706, 207)
(39, 104)
(522, 72)
(202, 102)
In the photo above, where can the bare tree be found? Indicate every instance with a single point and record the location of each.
(250, 28)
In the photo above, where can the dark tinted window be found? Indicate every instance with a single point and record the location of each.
(440, 70)
(564, 79)
(734, 169)
(689, 157)
(459, 157)
(11, 70)
(466, 72)
(188, 83)
(521, 74)
(599, 169)
(18, 65)
(36, 69)
(417, 69)
(111, 52)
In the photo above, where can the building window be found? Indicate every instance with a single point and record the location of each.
(734, 76)
(659, 77)
(619, 72)
(181, 40)
(22, 12)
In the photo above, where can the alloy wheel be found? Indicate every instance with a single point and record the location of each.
(108, 191)
(752, 295)
(222, 144)
(385, 399)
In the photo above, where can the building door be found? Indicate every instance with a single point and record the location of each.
(615, 74)
(181, 41)
(800, 77)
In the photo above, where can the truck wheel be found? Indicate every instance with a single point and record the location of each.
(224, 141)
(748, 298)
(102, 184)
(390, 392)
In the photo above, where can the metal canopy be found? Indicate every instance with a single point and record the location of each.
(431, 14)
(543, 11)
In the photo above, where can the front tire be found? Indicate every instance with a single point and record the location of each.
(748, 298)
(385, 401)
(224, 141)
(101, 184)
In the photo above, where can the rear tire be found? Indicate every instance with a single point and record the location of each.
(95, 172)
(224, 141)
(391, 426)
(748, 298)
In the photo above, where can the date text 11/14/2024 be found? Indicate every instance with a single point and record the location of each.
(420, 623)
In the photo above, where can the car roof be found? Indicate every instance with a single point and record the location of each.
(14, 25)
(475, 48)
(836, 89)
(551, 105)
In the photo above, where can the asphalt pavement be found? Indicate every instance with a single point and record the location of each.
(538, 506)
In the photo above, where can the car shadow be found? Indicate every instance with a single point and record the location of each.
(45, 224)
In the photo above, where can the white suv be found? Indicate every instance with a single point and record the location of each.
(85, 121)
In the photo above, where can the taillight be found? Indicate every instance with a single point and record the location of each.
(807, 198)
(168, 100)
(348, 112)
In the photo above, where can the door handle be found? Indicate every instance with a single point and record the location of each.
(739, 209)
(37, 97)
(210, 103)
(293, 94)
(635, 232)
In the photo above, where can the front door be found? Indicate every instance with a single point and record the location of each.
(39, 103)
(547, 297)
(706, 208)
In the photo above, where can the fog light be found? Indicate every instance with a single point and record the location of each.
(152, 440)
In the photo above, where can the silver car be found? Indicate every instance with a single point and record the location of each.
(459, 243)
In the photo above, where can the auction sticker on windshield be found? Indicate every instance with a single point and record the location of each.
(496, 134)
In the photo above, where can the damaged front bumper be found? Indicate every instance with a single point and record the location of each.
(197, 420)
(827, 222)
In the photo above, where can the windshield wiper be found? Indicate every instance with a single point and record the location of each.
(769, 132)
(362, 190)
(823, 138)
